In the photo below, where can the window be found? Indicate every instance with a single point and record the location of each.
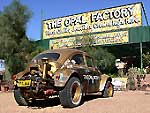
(78, 58)
(89, 61)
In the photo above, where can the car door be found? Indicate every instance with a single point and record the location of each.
(92, 75)
(81, 68)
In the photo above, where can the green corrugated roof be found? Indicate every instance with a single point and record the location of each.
(43, 43)
(139, 34)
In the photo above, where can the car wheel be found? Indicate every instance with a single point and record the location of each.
(71, 95)
(108, 90)
(19, 98)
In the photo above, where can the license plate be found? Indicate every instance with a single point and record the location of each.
(23, 83)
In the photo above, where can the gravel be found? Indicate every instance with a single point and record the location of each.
(122, 102)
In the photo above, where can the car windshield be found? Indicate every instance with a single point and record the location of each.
(51, 56)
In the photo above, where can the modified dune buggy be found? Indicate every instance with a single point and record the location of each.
(67, 73)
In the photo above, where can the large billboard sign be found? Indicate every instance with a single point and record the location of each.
(110, 19)
(94, 39)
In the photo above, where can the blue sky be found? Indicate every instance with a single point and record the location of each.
(59, 8)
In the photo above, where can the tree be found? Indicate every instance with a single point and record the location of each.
(146, 59)
(104, 60)
(14, 20)
(14, 45)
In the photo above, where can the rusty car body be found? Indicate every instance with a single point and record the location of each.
(68, 73)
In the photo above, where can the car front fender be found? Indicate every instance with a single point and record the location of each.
(103, 80)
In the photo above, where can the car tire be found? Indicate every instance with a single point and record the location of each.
(19, 98)
(108, 90)
(71, 95)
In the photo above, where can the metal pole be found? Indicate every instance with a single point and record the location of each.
(141, 52)
(145, 15)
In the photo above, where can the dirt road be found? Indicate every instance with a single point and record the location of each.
(122, 102)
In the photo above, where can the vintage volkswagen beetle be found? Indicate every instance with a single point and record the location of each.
(68, 73)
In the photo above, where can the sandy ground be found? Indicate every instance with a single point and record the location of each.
(122, 102)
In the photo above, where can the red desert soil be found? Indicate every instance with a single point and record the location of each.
(122, 102)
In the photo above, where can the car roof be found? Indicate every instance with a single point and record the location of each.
(65, 53)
